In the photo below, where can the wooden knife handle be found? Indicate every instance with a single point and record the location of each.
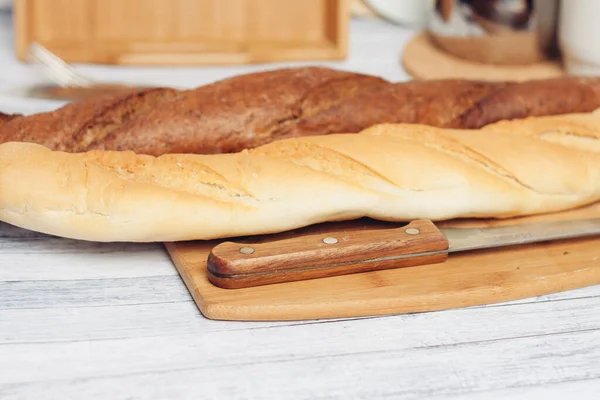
(324, 254)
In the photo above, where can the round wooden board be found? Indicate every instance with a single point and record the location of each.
(423, 61)
(465, 279)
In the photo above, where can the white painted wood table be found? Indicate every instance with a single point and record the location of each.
(114, 321)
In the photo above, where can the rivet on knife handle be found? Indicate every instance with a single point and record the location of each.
(318, 255)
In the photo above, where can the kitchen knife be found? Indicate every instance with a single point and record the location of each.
(339, 252)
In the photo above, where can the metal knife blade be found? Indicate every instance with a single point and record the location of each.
(463, 239)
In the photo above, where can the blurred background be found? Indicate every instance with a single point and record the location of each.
(50, 48)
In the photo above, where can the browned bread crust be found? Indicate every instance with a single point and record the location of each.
(6, 117)
(254, 109)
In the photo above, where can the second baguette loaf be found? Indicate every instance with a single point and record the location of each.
(250, 110)
(392, 172)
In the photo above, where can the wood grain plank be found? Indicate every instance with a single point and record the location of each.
(81, 266)
(24, 251)
(48, 21)
(199, 369)
(91, 292)
(223, 21)
(183, 319)
(151, 289)
(584, 389)
(29, 326)
(416, 335)
(128, 22)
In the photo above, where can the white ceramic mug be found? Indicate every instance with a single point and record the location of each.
(579, 36)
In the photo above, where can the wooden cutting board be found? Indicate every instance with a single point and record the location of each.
(465, 279)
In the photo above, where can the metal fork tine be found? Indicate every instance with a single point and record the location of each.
(57, 75)
(65, 71)
(60, 71)
(52, 73)
(65, 75)
(46, 55)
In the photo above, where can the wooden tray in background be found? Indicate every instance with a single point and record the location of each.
(466, 279)
(193, 32)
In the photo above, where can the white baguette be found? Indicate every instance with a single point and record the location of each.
(387, 172)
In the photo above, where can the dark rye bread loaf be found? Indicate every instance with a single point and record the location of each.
(250, 110)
